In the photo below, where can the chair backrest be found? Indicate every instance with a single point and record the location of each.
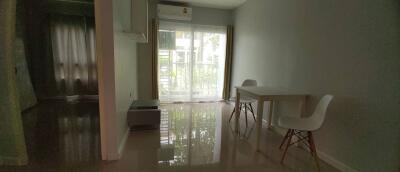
(245, 83)
(319, 114)
(249, 83)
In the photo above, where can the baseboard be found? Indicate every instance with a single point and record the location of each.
(334, 162)
(322, 155)
(121, 146)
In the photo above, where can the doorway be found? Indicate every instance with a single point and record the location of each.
(56, 78)
(191, 62)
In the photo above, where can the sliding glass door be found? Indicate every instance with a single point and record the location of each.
(191, 61)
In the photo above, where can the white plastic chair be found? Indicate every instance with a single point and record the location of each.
(302, 128)
(245, 102)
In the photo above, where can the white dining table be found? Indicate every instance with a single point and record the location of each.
(271, 94)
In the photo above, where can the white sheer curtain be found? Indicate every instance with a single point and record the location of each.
(191, 61)
(73, 46)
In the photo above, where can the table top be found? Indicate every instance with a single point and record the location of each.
(272, 91)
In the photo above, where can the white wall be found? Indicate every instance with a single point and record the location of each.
(125, 80)
(106, 78)
(211, 16)
(145, 59)
(346, 48)
(125, 71)
(204, 16)
(117, 71)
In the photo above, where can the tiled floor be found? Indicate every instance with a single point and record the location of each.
(192, 137)
(198, 137)
(61, 136)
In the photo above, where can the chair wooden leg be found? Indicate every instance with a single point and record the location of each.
(249, 107)
(252, 112)
(287, 145)
(284, 139)
(313, 149)
(233, 112)
(245, 112)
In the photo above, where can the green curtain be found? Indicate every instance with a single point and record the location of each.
(12, 142)
(154, 34)
(228, 63)
(27, 97)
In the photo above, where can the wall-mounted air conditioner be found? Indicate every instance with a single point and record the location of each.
(174, 12)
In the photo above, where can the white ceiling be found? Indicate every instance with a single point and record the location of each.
(222, 4)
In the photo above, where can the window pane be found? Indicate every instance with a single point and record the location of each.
(191, 63)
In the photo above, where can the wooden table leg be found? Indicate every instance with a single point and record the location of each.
(237, 112)
(260, 107)
(270, 113)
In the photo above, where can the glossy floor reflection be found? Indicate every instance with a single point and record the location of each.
(198, 137)
(61, 136)
(187, 140)
(192, 137)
